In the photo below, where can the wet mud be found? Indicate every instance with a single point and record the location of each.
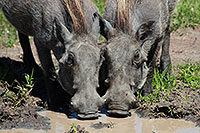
(25, 116)
(132, 124)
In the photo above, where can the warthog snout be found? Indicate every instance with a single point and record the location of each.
(126, 69)
(120, 102)
(87, 103)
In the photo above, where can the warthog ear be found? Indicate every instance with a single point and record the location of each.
(147, 35)
(106, 28)
(61, 32)
(145, 31)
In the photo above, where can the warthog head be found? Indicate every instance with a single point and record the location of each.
(125, 68)
(79, 68)
(131, 52)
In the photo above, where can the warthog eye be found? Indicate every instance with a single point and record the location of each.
(70, 59)
(137, 59)
(137, 55)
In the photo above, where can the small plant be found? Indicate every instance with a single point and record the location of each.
(77, 129)
(185, 99)
(73, 128)
(23, 90)
(7, 94)
(171, 112)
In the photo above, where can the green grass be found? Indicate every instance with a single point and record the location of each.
(186, 14)
(189, 75)
(8, 34)
(186, 75)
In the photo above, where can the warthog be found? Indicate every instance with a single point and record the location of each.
(135, 30)
(70, 29)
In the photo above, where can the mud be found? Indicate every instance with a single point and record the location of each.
(182, 103)
(24, 116)
(133, 124)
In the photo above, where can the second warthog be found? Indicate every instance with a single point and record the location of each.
(135, 29)
(70, 29)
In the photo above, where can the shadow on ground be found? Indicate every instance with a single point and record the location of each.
(24, 115)
(11, 71)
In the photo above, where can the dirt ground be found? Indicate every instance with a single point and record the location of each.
(182, 49)
(186, 47)
(25, 116)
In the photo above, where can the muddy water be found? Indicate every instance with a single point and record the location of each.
(133, 124)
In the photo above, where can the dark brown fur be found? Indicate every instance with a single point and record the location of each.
(75, 9)
(123, 15)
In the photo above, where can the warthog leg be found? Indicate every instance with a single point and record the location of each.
(27, 53)
(56, 95)
(165, 60)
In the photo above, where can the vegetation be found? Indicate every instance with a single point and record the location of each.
(8, 34)
(77, 129)
(21, 91)
(73, 128)
(100, 4)
(186, 75)
(186, 14)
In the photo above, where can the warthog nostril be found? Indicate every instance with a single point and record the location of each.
(72, 103)
(106, 81)
(134, 104)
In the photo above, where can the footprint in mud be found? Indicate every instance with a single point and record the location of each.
(103, 123)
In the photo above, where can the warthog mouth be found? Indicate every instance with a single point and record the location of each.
(120, 108)
(88, 116)
(118, 113)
